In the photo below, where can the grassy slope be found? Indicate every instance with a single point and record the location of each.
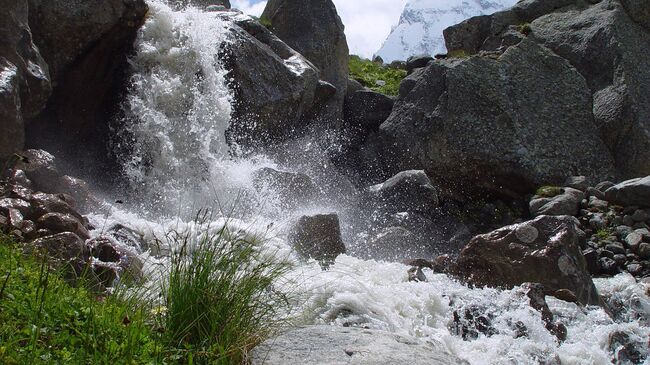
(368, 73)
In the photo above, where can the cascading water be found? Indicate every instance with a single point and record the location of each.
(177, 111)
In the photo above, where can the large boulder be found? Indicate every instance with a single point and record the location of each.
(606, 41)
(493, 124)
(349, 345)
(318, 237)
(635, 192)
(567, 202)
(275, 87)
(85, 44)
(367, 109)
(24, 76)
(313, 28)
(546, 250)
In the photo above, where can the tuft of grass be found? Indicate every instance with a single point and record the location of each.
(549, 191)
(368, 73)
(525, 29)
(603, 234)
(221, 297)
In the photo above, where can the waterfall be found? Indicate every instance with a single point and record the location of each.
(176, 159)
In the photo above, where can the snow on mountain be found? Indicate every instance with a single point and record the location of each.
(420, 27)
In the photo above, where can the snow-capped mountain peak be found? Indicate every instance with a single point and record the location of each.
(420, 27)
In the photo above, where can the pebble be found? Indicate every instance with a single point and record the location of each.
(615, 248)
(595, 193)
(623, 231)
(639, 216)
(596, 203)
(633, 240)
(605, 253)
(644, 251)
(628, 221)
(634, 268)
(608, 265)
(591, 256)
(620, 259)
(640, 225)
(603, 186)
(597, 222)
(644, 232)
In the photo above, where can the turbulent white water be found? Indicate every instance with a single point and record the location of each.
(177, 111)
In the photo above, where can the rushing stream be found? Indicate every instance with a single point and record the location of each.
(177, 160)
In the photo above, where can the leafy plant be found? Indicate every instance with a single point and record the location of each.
(525, 29)
(371, 74)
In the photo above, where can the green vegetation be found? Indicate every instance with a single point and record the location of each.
(603, 234)
(220, 302)
(368, 73)
(525, 29)
(459, 53)
(549, 191)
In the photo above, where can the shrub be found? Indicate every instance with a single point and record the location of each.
(368, 73)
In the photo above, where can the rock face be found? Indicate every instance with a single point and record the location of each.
(631, 192)
(367, 109)
(313, 28)
(318, 237)
(606, 41)
(545, 250)
(274, 85)
(501, 124)
(85, 44)
(24, 76)
(329, 345)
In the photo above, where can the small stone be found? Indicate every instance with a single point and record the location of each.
(415, 274)
(59, 223)
(599, 204)
(597, 222)
(640, 225)
(623, 231)
(628, 221)
(566, 295)
(15, 220)
(608, 266)
(634, 269)
(639, 216)
(591, 257)
(595, 193)
(616, 248)
(28, 228)
(617, 221)
(605, 253)
(633, 240)
(620, 259)
(644, 251)
(577, 182)
(603, 186)
(644, 232)
(3, 221)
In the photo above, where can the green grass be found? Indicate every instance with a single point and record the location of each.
(368, 73)
(221, 296)
(218, 300)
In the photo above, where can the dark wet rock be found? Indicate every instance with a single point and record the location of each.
(625, 350)
(318, 237)
(108, 250)
(566, 295)
(566, 203)
(591, 259)
(408, 191)
(537, 299)
(314, 29)
(635, 192)
(273, 84)
(6, 204)
(414, 62)
(471, 321)
(57, 222)
(608, 266)
(644, 251)
(85, 44)
(416, 274)
(42, 203)
(315, 345)
(24, 76)
(367, 109)
(63, 246)
(545, 250)
(293, 188)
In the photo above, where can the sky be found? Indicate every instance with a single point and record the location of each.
(367, 22)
